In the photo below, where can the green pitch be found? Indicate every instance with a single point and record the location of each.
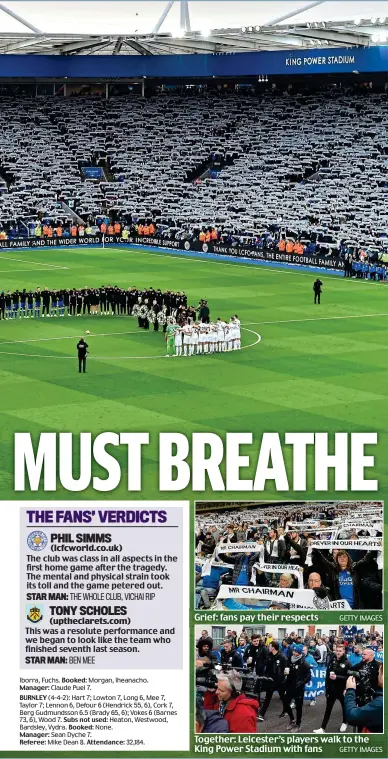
(317, 368)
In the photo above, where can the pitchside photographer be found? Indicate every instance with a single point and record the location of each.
(368, 717)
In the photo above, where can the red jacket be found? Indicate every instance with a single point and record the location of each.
(241, 714)
(210, 700)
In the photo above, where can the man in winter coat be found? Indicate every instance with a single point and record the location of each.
(298, 674)
(274, 669)
(336, 676)
(236, 708)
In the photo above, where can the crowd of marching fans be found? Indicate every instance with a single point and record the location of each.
(249, 677)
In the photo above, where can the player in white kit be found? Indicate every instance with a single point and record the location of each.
(195, 340)
(233, 334)
(186, 339)
(178, 341)
(238, 331)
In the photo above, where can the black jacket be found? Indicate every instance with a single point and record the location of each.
(372, 669)
(232, 658)
(82, 348)
(274, 667)
(259, 655)
(298, 677)
(237, 561)
(356, 569)
(300, 548)
(340, 667)
(268, 548)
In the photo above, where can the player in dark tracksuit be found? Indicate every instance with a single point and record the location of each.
(102, 300)
(46, 297)
(317, 287)
(86, 303)
(298, 674)
(109, 299)
(336, 676)
(274, 670)
(73, 302)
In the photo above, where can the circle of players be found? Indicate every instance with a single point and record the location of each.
(212, 337)
(231, 678)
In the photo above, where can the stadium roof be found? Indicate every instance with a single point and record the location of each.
(145, 27)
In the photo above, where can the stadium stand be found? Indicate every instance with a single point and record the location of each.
(312, 162)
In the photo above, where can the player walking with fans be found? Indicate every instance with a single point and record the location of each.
(298, 674)
(274, 670)
(336, 676)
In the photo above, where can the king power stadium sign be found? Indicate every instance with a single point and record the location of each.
(320, 60)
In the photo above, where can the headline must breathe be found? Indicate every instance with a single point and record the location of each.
(203, 460)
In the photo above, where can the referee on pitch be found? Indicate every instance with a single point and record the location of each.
(82, 349)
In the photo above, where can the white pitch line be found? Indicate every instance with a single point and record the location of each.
(113, 358)
(64, 337)
(280, 321)
(16, 271)
(38, 263)
(319, 319)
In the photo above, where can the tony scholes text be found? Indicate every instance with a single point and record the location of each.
(294, 461)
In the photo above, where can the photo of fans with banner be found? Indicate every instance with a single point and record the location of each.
(310, 555)
(304, 678)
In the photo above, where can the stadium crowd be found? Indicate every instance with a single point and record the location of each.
(236, 682)
(168, 167)
(330, 551)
